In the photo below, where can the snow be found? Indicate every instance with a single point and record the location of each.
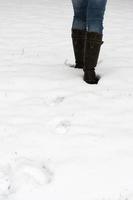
(61, 138)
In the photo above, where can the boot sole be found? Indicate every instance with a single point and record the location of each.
(92, 82)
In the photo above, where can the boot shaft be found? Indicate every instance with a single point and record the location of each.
(78, 40)
(92, 49)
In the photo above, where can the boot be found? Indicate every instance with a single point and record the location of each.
(78, 40)
(92, 49)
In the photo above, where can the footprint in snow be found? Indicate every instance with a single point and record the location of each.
(59, 126)
(55, 101)
(24, 174)
(30, 173)
(5, 181)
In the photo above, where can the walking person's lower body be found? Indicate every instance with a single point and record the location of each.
(87, 34)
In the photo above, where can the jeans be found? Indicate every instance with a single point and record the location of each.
(89, 15)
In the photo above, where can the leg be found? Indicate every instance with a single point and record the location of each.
(95, 16)
(80, 14)
(79, 30)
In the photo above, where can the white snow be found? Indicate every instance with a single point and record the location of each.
(61, 139)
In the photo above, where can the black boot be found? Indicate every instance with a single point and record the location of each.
(78, 40)
(92, 49)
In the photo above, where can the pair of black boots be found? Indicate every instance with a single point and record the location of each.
(86, 47)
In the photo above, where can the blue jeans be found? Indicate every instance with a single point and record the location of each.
(89, 15)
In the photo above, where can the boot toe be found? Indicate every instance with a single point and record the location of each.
(91, 77)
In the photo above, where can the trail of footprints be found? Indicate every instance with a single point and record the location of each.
(54, 99)
(23, 173)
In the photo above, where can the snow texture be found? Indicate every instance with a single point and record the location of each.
(61, 139)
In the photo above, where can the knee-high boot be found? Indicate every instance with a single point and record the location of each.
(92, 49)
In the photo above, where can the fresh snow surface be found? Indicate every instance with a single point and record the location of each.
(61, 139)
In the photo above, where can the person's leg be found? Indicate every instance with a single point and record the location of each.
(95, 16)
(78, 30)
(80, 14)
